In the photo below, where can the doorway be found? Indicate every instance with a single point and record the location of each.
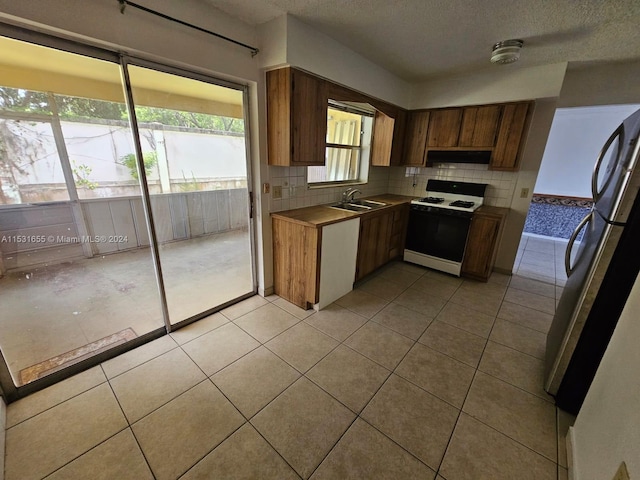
(124, 205)
(562, 194)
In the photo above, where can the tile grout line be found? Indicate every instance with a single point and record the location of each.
(99, 443)
(54, 405)
(129, 427)
(520, 325)
(304, 374)
(393, 372)
(248, 419)
(96, 446)
(358, 415)
(490, 426)
(139, 364)
(246, 422)
(470, 385)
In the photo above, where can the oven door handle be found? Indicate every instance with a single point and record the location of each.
(443, 212)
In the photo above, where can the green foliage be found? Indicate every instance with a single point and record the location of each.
(18, 100)
(82, 172)
(150, 160)
(77, 108)
(189, 119)
(189, 186)
(69, 108)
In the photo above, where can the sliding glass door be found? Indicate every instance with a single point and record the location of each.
(193, 145)
(112, 230)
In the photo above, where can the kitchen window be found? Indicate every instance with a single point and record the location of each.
(349, 128)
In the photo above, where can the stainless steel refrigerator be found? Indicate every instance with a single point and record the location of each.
(602, 262)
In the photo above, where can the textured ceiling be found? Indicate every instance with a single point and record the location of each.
(422, 39)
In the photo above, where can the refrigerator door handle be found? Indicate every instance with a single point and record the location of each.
(574, 235)
(596, 169)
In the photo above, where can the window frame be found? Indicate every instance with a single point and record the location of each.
(364, 147)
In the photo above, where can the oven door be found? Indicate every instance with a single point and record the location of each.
(439, 233)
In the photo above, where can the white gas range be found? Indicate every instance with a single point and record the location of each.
(439, 224)
(462, 196)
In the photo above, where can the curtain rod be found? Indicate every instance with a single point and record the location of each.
(125, 3)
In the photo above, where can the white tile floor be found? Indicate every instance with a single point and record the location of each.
(415, 374)
(541, 258)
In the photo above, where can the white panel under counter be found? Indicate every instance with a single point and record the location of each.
(338, 260)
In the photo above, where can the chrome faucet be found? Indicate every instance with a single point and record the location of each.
(348, 194)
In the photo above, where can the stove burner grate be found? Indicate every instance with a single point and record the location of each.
(462, 204)
(432, 199)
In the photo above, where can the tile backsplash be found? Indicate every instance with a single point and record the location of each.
(296, 194)
(411, 181)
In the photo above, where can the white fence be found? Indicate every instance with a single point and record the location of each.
(185, 160)
(32, 235)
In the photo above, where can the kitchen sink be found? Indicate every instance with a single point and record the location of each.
(359, 205)
(368, 203)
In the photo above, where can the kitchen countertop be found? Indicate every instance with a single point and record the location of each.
(320, 215)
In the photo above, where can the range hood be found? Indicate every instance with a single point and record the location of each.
(465, 156)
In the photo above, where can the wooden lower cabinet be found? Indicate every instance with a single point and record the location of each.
(296, 262)
(482, 243)
(314, 265)
(373, 242)
(398, 231)
(382, 236)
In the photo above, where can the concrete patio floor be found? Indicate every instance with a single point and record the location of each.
(55, 310)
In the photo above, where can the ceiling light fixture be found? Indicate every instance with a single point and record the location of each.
(507, 51)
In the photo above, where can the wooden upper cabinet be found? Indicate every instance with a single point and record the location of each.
(415, 138)
(499, 128)
(479, 126)
(444, 128)
(382, 141)
(511, 135)
(296, 118)
(388, 137)
(397, 146)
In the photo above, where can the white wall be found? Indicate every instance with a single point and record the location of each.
(601, 84)
(315, 52)
(503, 83)
(576, 137)
(607, 429)
(272, 37)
